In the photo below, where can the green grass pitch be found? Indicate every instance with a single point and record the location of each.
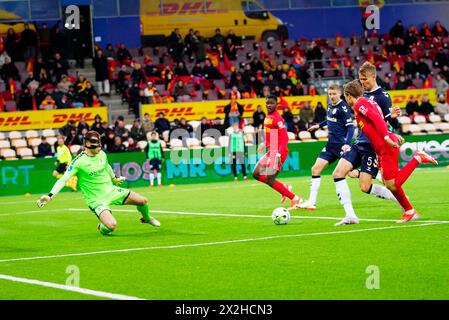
(217, 241)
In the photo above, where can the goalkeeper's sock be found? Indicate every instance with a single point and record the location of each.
(151, 179)
(159, 178)
(103, 229)
(144, 211)
(59, 175)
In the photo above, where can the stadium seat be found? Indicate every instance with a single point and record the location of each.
(48, 133)
(248, 129)
(224, 141)
(74, 149)
(229, 130)
(209, 142)
(442, 126)
(34, 142)
(321, 135)
(5, 144)
(405, 123)
(414, 129)
(166, 135)
(126, 144)
(30, 134)
(176, 144)
(13, 135)
(128, 127)
(446, 117)
(429, 128)
(435, 118)
(142, 145)
(19, 144)
(163, 145)
(419, 119)
(305, 136)
(52, 140)
(25, 153)
(2, 136)
(193, 143)
(194, 123)
(8, 154)
(291, 136)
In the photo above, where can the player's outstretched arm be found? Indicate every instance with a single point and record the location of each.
(43, 200)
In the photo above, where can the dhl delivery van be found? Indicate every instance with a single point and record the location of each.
(245, 17)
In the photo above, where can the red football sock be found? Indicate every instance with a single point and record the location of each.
(280, 187)
(405, 172)
(402, 199)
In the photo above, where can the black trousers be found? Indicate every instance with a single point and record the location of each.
(238, 158)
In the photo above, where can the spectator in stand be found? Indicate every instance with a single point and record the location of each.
(59, 67)
(441, 59)
(190, 43)
(202, 128)
(442, 107)
(12, 45)
(9, 71)
(320, 113)
(211, 72)
(100, 64)
(73, 138)
(230, 50)
(445, 72)
(306, 113)
(200, 47)
(161, 124)
(44, 149)
(287, 115)
(385, 84)
(134, 98)
(25, 101)
(96, 126)
(44, 41)
(64, 84)
(137, 76)
(258, 117)
(412, 107)
(80, 136)
(137, 131)
(181, 70)
(255, 86)
(123, 79)
(218, 125)
(82, 125)
(59, 41)
(181, 93)
(96, 102)
(121, 131)
(442, 85)
(132, 145)
(28, 40)
(397, 31)
(118, 146)
(148, 124)
(438, 30)
(109, 52)
(426, 31)
(185, 126)
(410, 67)
(298, 125)
(105, 129)
(87, 95)
(426, 107)
(107, 141)
(64, 103)
(123, 54)
(235, 39)
(233, 112)
(285, 82)
(403, 83)
(423, 69)
(218, 39)
(48, 103)
(175, 45)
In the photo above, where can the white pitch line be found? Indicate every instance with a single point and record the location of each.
(233, 215)
(190, 245)
(90, 292)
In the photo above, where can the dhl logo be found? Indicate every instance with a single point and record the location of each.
(404, 98)
(176, 112)
(187, 8)
(14, 121)
(63, 118)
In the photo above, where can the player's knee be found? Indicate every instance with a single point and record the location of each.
(365, 187)
(316, 170)
(143, 201)
(391, 185)
(338, 173)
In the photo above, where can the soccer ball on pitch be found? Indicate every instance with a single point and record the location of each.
(280, 216)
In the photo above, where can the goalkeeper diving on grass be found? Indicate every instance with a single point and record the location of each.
(98, 184)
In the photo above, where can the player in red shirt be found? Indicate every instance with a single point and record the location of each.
(276, 140)
(386, 145)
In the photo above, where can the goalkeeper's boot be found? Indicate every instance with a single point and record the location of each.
(152, 221)
(289, 188)
(409, 217)
(426, 158)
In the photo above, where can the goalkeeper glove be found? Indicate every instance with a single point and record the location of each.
(118, 180)
(44, 200)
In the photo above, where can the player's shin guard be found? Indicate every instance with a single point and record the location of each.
(103, 229)
(381, 192)
(144, 211)
(314, 187)
(405, 172)
(402, 199)
(344, 195)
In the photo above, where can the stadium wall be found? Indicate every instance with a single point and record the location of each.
(34, 176)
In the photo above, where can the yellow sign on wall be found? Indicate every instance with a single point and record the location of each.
(399, 98)
(48, 119)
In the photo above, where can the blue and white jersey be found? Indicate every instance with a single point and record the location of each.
(383, 99)
(340, 123)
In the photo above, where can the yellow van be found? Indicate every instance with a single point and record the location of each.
(245, 17)
(5, 24)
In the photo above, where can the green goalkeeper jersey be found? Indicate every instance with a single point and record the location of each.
(94, 176)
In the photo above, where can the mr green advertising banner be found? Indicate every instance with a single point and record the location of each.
(195, 166)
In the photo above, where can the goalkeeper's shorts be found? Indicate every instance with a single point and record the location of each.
(116, 197)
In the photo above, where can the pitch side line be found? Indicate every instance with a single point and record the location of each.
(191, 245)
(90, 292)
(260, 216)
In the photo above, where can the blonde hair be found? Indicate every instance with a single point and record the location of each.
(367, 68)
(334, 87)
